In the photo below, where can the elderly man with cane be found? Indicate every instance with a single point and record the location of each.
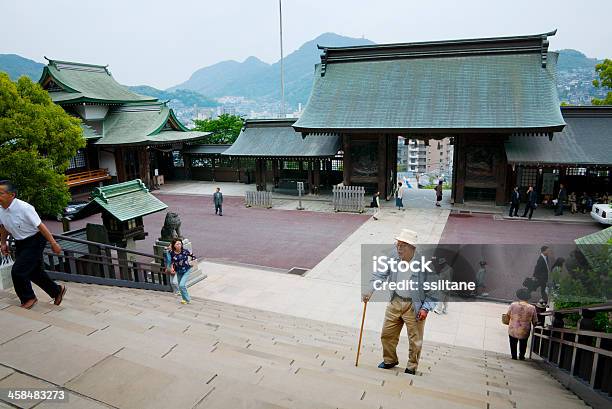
(408, 306)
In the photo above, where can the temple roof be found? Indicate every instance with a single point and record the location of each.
(208, 149)
(586, 140)
(89, 132)
(124, 201)
(489, 84)
(71, 82)
(145, 124)
(275, 138)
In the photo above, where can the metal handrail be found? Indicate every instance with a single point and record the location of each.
(595, 308)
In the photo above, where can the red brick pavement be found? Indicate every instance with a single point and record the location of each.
(483, 229)
(272, 238)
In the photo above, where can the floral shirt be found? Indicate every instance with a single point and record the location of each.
(522, 315)
(180, 261)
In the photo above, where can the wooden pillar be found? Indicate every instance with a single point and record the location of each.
(310, 176)
(144, 170)
(348, 168)
(213, 163)
(317, 176)
(393, 161)
(120, 165)
(500, 172)
(459, 169)
(187, 165)
(382, 166)
(275, 172)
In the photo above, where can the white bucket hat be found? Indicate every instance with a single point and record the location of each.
(408, 236)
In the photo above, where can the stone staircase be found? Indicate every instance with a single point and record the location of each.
(123, 348)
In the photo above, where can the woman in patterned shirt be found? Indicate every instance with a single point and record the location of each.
(181, 266)
(522, 315)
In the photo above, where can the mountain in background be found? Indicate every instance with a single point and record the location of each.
(16, 66)
(256, 80)
(254, 88)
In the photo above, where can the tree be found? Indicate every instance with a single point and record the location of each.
(37, 140)
(604, 70)
(225, 129)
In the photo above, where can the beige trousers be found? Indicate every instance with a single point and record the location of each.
(397, 314)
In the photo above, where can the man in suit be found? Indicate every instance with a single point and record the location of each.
(561, 197)
(541, 270)
(532, 197)
(218, 200)
(515, 201)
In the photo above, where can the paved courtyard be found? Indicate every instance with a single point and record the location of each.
(280, 239)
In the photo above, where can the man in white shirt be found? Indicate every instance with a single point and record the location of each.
(20, 220)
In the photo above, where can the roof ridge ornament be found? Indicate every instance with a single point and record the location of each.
(323, 61)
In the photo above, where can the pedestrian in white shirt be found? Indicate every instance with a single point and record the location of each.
(20, 220)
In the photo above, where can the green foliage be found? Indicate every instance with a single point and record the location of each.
(225, 129)
(604, 70)
(37, 140)
(583, 286)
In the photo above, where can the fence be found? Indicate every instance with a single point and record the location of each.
(95, 263)
(258, 199)
(581, 359)
(349, 198)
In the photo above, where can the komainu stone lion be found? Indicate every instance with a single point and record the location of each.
(172, 227)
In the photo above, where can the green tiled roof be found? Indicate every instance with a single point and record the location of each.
(593, 244)
(277, 139)
(125, 200)
(586, 140)
(77, 82)
(89, 132)
(207, 149)
(145, 124)
(497, 84)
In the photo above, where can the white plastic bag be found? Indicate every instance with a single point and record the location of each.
(6, 265)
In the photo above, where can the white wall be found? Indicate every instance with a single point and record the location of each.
(92, 112)
(107, 161)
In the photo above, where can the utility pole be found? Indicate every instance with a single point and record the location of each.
(282, 73)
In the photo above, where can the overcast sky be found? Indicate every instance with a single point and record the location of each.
(160, 43)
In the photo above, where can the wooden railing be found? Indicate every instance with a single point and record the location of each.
(95, 263)
(581, 359)
(88, 176)
(349, 199)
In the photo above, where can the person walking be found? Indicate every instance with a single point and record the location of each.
(542, 270)
(218, 200)
(572, 202)
(438, 190)
(181, 266)
(532, 198)
(515, 202)
(561, 197)
(376, 205)
(407, 307)
(20, 220)
(522, 315)
(445, 272)
(399, 196)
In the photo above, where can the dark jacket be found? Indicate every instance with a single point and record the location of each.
(562, 195)
(540, 272)
(532, 198)
(516, 198)
(218, 198)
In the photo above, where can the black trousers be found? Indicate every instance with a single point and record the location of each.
(29, 268)
(514, 207)
(559, 209)
(529, 208)
(218, 208)
(522, 346)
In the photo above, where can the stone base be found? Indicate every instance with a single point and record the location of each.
(6, 282)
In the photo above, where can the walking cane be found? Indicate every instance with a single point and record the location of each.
(365, 305)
